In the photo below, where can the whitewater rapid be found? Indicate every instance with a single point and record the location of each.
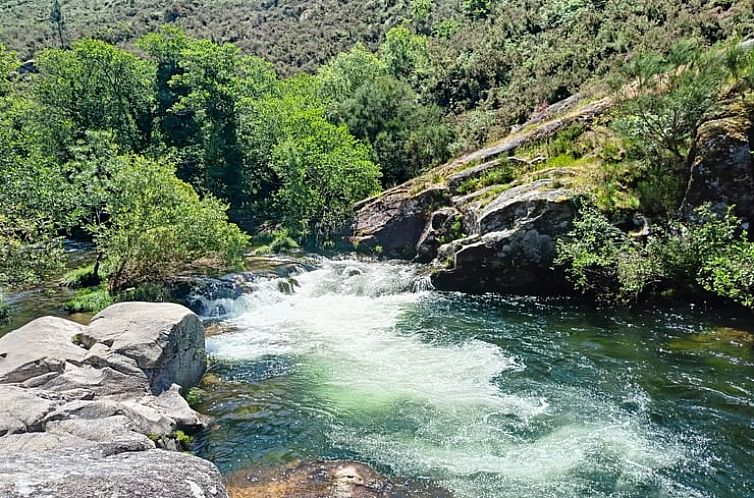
(402, 397)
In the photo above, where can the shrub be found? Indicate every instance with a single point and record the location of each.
(4, 310)
(706, 252)
(159, 224)
(83, 276)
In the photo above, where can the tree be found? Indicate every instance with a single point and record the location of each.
(58, 22)
(35, 196)
(95, 86)
(478, 9)
(158, 224)
(322, 171)
(405, 55)
(200, 84)
(360, 91)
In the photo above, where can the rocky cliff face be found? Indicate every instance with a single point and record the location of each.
(83, 406)
(483, 230)
(480, 230)
(722, 170)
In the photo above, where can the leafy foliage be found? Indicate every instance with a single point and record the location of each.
(158, 223)
(95, 86)
(707, 252)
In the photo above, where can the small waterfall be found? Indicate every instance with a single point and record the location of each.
(423, 283)
(353, 354)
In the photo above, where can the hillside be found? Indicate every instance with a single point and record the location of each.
(295, 34)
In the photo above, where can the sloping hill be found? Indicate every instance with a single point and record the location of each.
(296, 34)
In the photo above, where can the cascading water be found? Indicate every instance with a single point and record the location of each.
(487, 397)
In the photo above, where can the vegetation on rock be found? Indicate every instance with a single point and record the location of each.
(160, 145)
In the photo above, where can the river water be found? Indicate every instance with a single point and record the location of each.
(485, 396)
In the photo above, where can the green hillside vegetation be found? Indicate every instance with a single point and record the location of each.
(160, 146)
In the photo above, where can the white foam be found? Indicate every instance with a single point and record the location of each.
(453, 422)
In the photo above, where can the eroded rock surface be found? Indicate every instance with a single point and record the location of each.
(722, 169)
(95, 472)
(82, 406)
(483, 235)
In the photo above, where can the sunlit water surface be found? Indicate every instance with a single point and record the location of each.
(486, 396)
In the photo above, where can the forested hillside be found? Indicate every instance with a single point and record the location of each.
(157, 131)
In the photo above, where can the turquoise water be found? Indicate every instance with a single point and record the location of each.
(486, 396)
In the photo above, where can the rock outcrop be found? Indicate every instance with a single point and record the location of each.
(722, 169)
(512, 242)
(82, 406)
(393, 222)
(478, 235)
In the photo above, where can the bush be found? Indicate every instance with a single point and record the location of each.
(706, 252)
(275, 242)
(4, 310)
(159, 224)
(730, 274)
(84, 276)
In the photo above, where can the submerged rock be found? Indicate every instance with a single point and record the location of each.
(330, 479)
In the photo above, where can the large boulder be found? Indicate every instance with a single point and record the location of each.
(40, 347)
(722, 170)
(100, 473)
(82, 406)
(512, 243)
(165, 340)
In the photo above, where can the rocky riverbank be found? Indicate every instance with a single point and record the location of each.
(96, 411)
(93, 410)
(491, 221)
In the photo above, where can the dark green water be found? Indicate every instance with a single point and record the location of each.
(487, 396)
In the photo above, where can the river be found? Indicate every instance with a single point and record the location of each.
(486, 396)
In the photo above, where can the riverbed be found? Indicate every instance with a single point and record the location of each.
(485, 396)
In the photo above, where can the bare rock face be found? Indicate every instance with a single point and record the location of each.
(331, 479)
(41, 347)
(396, 219)
(508, 231)
(98, 473)
(80, 407)
(513, 242)
(722, 170)
(166, 341)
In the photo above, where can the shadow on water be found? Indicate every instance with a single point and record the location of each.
(48, 298)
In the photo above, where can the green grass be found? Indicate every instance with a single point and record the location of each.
(4, 310)
(89, 300)
(83, 276)
(500, 175)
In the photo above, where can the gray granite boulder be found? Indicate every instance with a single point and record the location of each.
(81, 407)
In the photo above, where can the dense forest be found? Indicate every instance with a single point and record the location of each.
(171, 133)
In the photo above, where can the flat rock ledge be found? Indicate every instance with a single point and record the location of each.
(82, 407)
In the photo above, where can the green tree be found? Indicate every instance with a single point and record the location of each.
(200, 84)
(478, 9)
(35, 198)
(322, 172)
(405, 55)
(57, 21)
(359, 90)
(95, 86)
(158, 224)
